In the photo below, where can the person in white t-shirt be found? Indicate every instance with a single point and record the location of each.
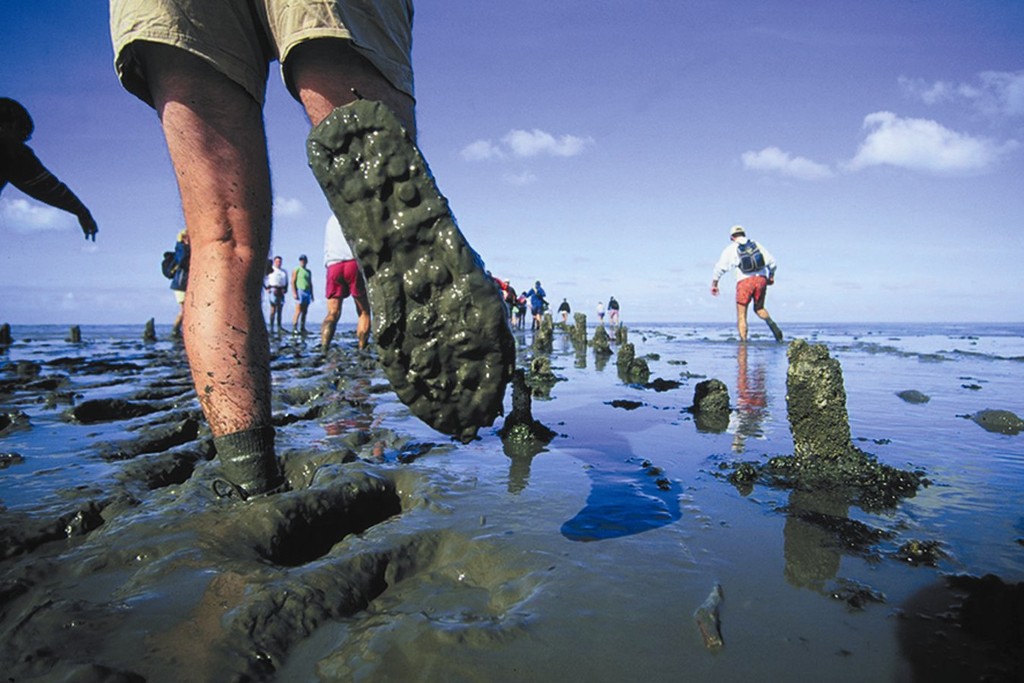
(343, 279)
(276, 284)
(755, 271)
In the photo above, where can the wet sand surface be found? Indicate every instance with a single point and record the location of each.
(401, 555)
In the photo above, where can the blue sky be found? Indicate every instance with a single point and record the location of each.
(603, 147)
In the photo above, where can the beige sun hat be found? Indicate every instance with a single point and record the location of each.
(737, 230)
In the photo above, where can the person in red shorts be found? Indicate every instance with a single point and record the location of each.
(343, 279)
(755, 270)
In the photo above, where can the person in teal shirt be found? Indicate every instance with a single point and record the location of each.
(302, 288)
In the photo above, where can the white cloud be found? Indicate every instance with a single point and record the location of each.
(530, 143)
(924, 145)
(775, 160)
(996, 93)
(24, 216)
(526, 143)
(283, 206)
(482, 150)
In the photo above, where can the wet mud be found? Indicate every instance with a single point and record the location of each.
(149, 570)
(382, 562)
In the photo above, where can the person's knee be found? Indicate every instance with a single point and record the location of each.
(322, 74)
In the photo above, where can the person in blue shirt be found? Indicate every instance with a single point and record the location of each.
(538, 304)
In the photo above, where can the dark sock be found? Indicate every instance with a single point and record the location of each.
(247, 460)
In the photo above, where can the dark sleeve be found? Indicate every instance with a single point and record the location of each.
(28, 174)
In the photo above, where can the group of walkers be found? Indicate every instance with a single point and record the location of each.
(536, 301)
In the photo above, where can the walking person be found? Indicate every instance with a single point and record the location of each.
(344, 279)
(564, 309)
(755, 271)
(302, 289)
(613, 311)
(276, 285)
(179, 280)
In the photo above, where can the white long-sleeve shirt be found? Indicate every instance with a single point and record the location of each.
(730, 259)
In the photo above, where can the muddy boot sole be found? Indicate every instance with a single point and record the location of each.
(438, 319)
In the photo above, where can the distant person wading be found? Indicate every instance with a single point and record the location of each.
(755, 271)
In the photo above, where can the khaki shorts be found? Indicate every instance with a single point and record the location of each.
(240, 38)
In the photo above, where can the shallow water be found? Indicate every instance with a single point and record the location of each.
(573, 563)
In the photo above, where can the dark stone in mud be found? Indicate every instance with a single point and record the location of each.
(12, 420)
(75, 334)
(149, 333)
(855, 594)
(916, 553)
(816, 403)
(8, 459)
(710, 407)
(661, 385)
(1000, 421)
(521, 434)
(109, 409)
(913, 396)
(5, 335)
(624, 404)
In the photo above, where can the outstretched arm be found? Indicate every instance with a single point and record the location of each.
(36, 181)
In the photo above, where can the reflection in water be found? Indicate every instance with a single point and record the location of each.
(751, 400)
(624, 499)
(810, 546)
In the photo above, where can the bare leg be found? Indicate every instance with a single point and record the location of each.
(330, 323)
(762, 313)
(741, 321)
(215, 137)
(363, 324)
(326, 71)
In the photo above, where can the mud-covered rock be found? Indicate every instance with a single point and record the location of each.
(710, 407)
(999, 421)
(816, 402)
(632, 370)
(521, 433)
(913, 396)
(601, 343)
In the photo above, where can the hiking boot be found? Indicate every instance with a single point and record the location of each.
(775, 330)
(438, 319)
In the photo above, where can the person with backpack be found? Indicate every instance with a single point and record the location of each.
(179, 277)
(755, 270)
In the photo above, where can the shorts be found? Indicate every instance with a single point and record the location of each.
(305, 298)
(752, 288)
(344, 279)
(239, 38)
(179, 296)
(276, 295)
